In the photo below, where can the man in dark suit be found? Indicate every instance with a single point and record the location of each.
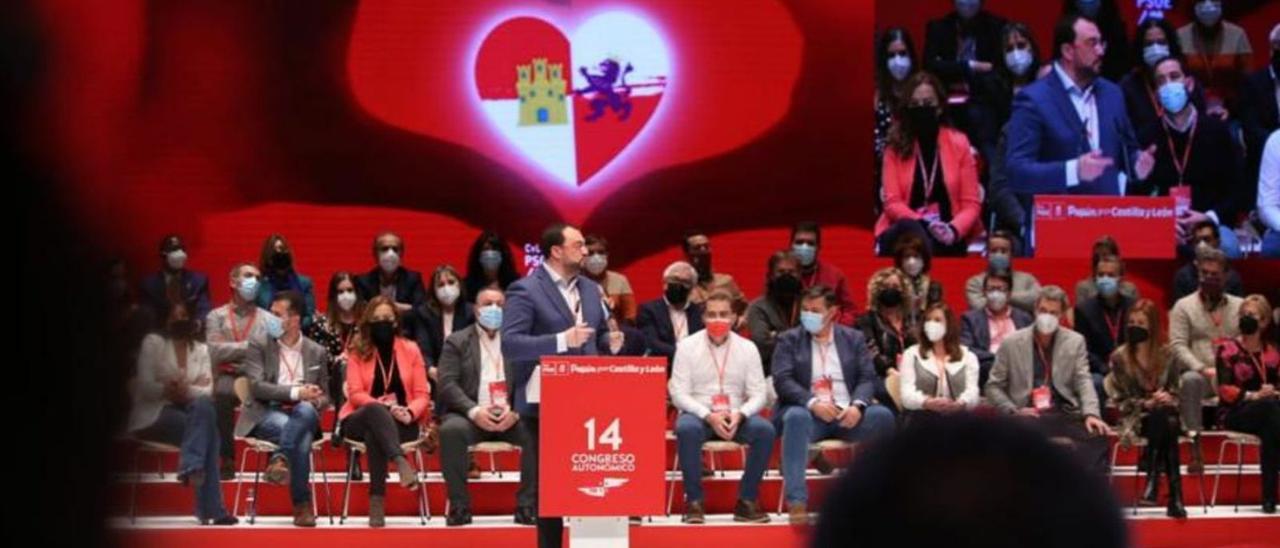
(671, 317)
(1069, 132)
(1260, 107)
(552, 311)
(175, 283)
(1101, 319)
(982, 330)
(963, 48)
(825, 380)
(389, 278)
(476, 406)
(286, 376)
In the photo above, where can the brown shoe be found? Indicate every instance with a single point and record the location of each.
(377, 511)
(748, 511)
(693, 513)
(303, 516)
(797, 514)
(473, 471)
(408, 476)
(277, 472)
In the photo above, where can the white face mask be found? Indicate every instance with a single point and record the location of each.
(935, 330)
(997, 299)
(176, 259)
(1018, 60)
(913, 266)
(448, 293)
(389, 261)
(596, 263)
(899, 67)
(1046, 323)
(346, 300)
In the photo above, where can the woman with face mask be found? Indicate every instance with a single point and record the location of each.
(888, 325)
(276, 262)
(620, 300)
(489, 264)
(1249, 388)
(448, 309)
(1144, 384)
(1218, 53)
(938, 375)
(334, 328)
(1153, 40)
(1019, 66)
(929, 178)
(914, 258)
(1106, 13)
(895, 61)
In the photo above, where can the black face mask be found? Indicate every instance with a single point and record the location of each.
(382, 333)
(785, 286)
(1248, 325)
(281, 260)
(677, 294)
(182, 329)
(1136, 334)
(890, 297)
(924, 121)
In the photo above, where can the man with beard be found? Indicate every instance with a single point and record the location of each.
(697, 252)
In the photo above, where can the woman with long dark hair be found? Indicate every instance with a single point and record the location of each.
(489, 264)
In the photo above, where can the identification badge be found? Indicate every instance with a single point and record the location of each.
(1181, 199)
(498, 394)
(822, 390)
(720, 403)
(1041, 399)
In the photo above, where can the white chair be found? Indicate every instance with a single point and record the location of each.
(1139, 443)
(1239, 440)
(150, 447)
(412, 447)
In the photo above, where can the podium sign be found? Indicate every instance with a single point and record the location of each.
(1067, 226)
(602, 447)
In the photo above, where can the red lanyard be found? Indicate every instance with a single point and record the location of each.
(386, 371)
(495, 357)
(720, 365)
(1154, 102)
(1256, 363)
(291, 367)
(1181, 165)
(1048, 364)
(822, 355)
(1113, 326)
(930, 176)
(231, 323)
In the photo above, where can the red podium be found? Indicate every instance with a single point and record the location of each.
(1067, 226)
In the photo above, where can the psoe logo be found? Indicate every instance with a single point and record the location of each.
(599, 491)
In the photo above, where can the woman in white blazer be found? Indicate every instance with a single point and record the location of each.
(939, 375)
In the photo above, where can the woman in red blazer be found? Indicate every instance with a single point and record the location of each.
(929, 178)
(388, 399)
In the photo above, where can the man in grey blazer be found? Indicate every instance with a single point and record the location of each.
(287, 373)
(476, 403)
(1042, 372)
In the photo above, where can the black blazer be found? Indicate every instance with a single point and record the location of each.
(1091, 323)
(409, 290)
(1259, 115)
(940, 45)
(660, 335)
(195, 292)
(1213, 170)
(430, 327)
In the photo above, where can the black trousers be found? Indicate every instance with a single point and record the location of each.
(1161, 427)
(550, 530)
(1092, 449)
(457, 433)
(1262, 419)
(382, 436)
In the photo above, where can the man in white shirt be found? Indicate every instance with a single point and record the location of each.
(1269, 196)
(717, 382)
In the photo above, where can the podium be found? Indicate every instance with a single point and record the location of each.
(1066, 226)
(602, 450)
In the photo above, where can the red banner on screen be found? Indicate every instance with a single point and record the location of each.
(1067, 226)
(602, 446)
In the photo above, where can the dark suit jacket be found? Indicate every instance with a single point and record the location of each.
(793, 366)
(430, 328)
(262, 367)
(1090, 322)
(534, 314)
(1259, 116)
(940, 45)
(975, 333)
(409, 290)
(459, 371)
(195, 292)
(655, 321)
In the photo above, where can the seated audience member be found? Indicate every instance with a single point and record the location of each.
(718, 385)
(447, 309)
(825, 381)
(929, 177)
(912, 256)
(697, 252)
(963, 49)
(228, 330)
(1197, 161)
(280, 274)
(388, 399)
(888, 327)
(1088, 149)
(1248, 368)
(778, 310)
(1204, 237)
(392, 280)
(625, 339)
(1088, 288)
(1106, 13)
(474, 396)
(172, 403)
(982, 331)
(1217, 51)
(1196, 321)
(174, 283)
(939, 375)
(806, 239)
(1101, 319)
(895, 55)
(1155, 40)
(1000, 259)
(1019, 66)
(616, 286)
(1269, 197)
(334, 328)
(1042, 373)
(1001, 481)
(287, 379)
(671, 317)
(1259, 107)
(489, 264)
(1144, 385)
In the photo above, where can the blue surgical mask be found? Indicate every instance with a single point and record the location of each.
(248, 289)
(899, 67)
(1107, 285)
(1018, 60)
(812, 321)
(490, 317)
(998, 262)
(490, 259)
(1153, 53)
(1089, 8)
(275, 326)
(804, 253)
(1208, 12)
(1173, 96)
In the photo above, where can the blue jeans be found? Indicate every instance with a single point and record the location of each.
(1271, 244)
(1230, 244)
(193, 427)
(293, 432)
(691, 432)
(800, 428)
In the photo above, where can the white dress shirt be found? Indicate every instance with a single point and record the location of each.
(1086, 107)
(491, 369)
(695, 377)
(569, 290)
(292, 372)
(826, 363)
(1269, 183)
(679, 319)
